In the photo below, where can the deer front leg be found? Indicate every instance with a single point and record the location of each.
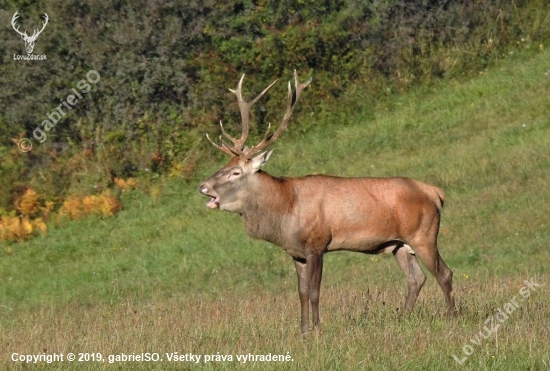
(314, 264)
(303, 292)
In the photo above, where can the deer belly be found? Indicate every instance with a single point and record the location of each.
(363, 243)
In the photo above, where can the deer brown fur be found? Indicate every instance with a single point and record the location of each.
(311, 215)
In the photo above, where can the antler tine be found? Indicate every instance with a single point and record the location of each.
(46, 18)
(225, 133)
(292, 100)
(234, 151)
(222, 148)
(300, 86)
(253, 101)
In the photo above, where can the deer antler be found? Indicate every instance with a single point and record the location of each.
(13, 20)
(292, 99)
(238, 148)
(244, 107)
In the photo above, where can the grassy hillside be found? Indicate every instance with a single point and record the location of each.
(167, 275)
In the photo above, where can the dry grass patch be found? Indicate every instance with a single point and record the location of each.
(361, 329)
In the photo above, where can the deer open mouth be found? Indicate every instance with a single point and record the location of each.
(214, 202)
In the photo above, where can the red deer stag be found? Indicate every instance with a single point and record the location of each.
(311, 215)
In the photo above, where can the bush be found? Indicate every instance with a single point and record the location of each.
(165, 69)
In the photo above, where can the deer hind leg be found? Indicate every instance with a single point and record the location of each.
(430, 257)
(303, 292)
(415, 276)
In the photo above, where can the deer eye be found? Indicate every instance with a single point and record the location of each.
(234, 173)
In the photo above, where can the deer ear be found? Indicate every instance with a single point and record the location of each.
(260, 160)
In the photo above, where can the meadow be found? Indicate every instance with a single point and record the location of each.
(168, 275)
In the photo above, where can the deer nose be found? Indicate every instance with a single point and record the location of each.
(203, 188)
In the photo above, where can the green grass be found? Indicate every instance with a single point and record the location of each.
(171, 276)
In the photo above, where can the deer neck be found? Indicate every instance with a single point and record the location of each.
(270, 200)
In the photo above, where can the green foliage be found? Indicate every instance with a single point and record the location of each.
(165, 67)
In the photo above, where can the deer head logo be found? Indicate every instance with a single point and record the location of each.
(29, 40)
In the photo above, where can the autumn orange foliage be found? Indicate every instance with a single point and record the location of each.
(130, 183)
(27, 222)
(30, 215)
(104, 205)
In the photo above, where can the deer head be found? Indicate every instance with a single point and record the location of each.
(228, 188)
(29, 40)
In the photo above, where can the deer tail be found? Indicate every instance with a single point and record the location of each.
(440, 200)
